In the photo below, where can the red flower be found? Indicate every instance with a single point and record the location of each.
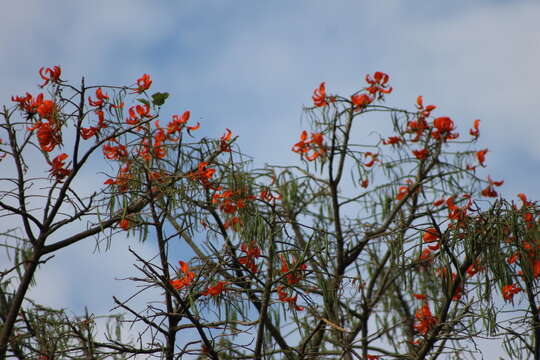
(319, 96)
(361, 100)
(118, 152)
(28, 103)
(48, 136)
(417, 127)
(195, 127)
(420, 154)
(47, 110)
(425, 320)
(224, 145)
(100, 98)
(444, 127)
(438, 202)
(124, 224)
(294, 276)
(291, 300)
(303, 147)
(378, 84)
(202, 174)
(216, 289)
(481, 156)
(177, 123)
(402, 192)
(513, 258)
(508, 291)
(424, 112)
(186, 280)
(420, 296)
(137, 113)
(489, 191)
(431, 235)
(87, 133)
(143, 84)
(58, 170)
(252, 252)
(474, 268)
(392, 140)
(523, 199)
(475, 131)
(536, 268)
(373, 159)
(54, 75)
(122, 180)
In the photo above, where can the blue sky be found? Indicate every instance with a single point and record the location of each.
(251, 66)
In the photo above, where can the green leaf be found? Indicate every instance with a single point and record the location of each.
(144, 101)
(158, 98)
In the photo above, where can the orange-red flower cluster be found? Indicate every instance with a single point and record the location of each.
(295, 276)
(58, 170)
(421, 154)
(203, 174)
(474, 268)
(378, 84)
(54, 75)
(475, 131)
(304, 146)
(360, 101)
(138, 113)
(122, 180)
(489, 191)
(455, 212)
(216, 289)
(151, 147)
(420, 125)
(224, 142)
(231, 202)
(481, 157)
(319, 96)
(178, 123)
(252, 252)
(101, 98)
(115, 152)
(87, 133)
(28, 103)
(184, 281)
(143, 84)
(432, 235)
(425, 321)
(374, 157)
(291, 300)
(48, 135)
(124, 224)
(404, 190)
(267, 195)
(443, 127)
(392, 140)
(508, 291)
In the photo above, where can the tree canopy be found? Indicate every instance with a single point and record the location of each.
(397, 249)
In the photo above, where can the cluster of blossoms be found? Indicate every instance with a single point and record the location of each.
(185, 280)
(314, 145)
(526, 256)
(46, 121)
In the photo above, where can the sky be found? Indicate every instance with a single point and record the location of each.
(251, 66)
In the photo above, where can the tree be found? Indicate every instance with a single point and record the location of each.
(382, 251)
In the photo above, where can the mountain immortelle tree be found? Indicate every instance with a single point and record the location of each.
(397, 249)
